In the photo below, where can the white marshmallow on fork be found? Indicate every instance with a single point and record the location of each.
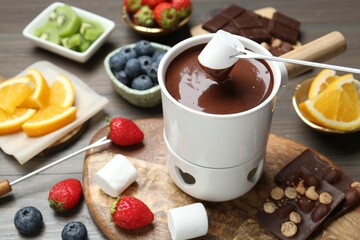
(218, 51)
(117, 175)
(188, 221)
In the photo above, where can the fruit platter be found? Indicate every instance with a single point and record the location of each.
(150, 119)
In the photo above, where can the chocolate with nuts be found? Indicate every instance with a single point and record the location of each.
(292, 214)
(330, 174)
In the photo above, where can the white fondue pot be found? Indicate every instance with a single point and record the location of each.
(216, 157)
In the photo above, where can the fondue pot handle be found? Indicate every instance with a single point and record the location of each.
(319, 50)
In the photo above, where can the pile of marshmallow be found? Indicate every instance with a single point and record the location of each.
(184, 222)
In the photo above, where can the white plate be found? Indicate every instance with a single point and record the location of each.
(87, 102)
(43, 17)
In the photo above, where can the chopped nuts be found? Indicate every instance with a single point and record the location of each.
(356, 186)
(269, 207)
(325, 198)
(288, 229)
(277, 193)
(276, 43)
(300, 188)
(295, 217)
(290, 192)
(311, 193)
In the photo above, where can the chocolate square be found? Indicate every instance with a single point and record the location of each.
(231, 28)
(248, 20)
(256, 34)
(279, 30)
(286, 20)
(233, 11)
(216, 23)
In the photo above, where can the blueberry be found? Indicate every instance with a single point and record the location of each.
(158, 55)
(74, 230)
(142, 82)
(28, 220)
(152, 72)
(132, 68)
(117, 62)
(145, 63)
(144, 47)
(121, 76)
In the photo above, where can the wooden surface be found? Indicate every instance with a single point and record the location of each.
(227, 220)
(317, 17)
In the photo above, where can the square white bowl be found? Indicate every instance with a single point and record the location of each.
(82, 57)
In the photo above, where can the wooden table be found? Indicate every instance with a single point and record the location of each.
(16, 53)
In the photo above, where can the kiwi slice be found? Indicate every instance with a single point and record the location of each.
(66, 19)
(48, 32)
(72, 42)
(84, 45)
(91, 30)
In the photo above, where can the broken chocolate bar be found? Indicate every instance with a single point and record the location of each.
(299, 205)
(239, 21)
(323, 170)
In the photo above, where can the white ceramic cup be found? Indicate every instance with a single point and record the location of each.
(222, 154)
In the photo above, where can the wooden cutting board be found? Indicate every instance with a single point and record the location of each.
(227, 220)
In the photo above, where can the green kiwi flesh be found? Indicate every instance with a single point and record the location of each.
(66, 28)
(48, 32)
(91, 30)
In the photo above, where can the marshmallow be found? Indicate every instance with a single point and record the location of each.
(116, 176)
(217, 53)
(188, 221)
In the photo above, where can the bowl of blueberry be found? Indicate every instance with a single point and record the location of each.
(133, 71)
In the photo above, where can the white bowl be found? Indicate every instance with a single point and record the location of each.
(82, 57)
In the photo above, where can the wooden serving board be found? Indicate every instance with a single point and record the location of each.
(227, 220)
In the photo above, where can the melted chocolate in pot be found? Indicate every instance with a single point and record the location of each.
(249, 83)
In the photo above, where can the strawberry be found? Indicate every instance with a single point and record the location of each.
(166, 15)
(65, 195)
(144, 17)
(130, 213)
(154, 3)
(183, 7)
(132, 5)
(124, 132)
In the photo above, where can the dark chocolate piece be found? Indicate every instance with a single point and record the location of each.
(231, 28)
(216, 23)
(284, 33)
(256, 34)
(297, 217)
(323, 170)
(248, 20)
(233, 11)
(286, 20)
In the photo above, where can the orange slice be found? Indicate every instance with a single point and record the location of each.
(39, 97)
(10, 123)
(14, 91)
(337, 107)
(62, 92)
(49, 119)
(321, 82)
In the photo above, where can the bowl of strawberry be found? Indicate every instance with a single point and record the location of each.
(132, 70)
(156, 17)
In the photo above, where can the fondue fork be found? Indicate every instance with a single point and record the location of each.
(5, 185)
(245, 54)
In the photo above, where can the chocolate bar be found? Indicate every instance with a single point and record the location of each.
(323, 170)
(239, 21)
(298, 205)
